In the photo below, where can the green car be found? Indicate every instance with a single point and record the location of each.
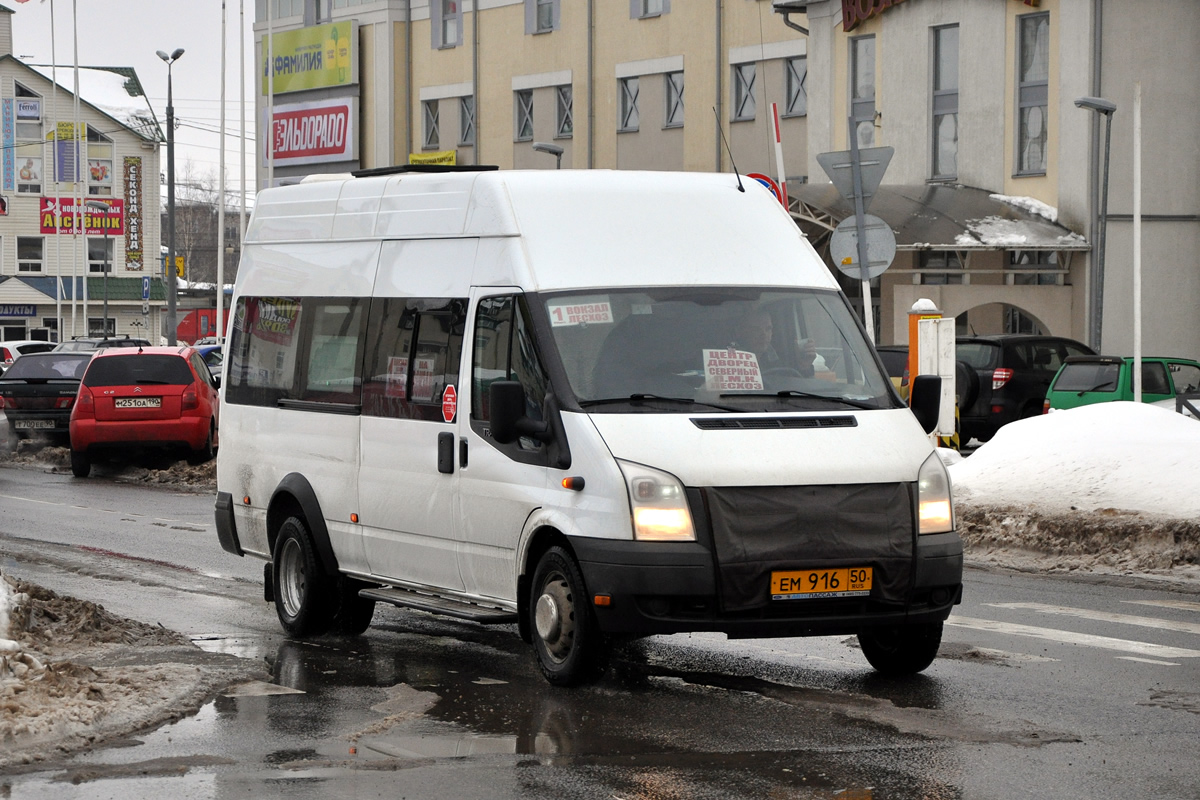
(1083, 380)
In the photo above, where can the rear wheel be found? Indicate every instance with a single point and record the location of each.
(206, 453)
(901, 649)
(81, 465)
(304, 595)
(570, 647)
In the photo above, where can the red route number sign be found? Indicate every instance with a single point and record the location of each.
(449, 403)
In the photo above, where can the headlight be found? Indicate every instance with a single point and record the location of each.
(660, 512)
(935, 504)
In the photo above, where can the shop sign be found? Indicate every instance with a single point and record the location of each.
(134, 245)
(314, 132)
(315, 57)
(14, 310)
(8, 133)
(62, 215)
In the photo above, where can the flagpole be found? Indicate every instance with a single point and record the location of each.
(77, 215)
(57, 193)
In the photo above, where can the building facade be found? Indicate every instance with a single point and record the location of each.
(995, 177)
(79, 195)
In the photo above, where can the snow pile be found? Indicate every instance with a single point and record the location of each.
(1121, 455)
(109, 92)
(1028, 204)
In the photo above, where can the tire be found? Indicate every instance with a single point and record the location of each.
(566, 637)
(206, 453)
(966, 384)
(354, 613)
(81, 465)
(304, 594)
(902, 649)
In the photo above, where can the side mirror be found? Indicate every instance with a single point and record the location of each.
(506, 401)
(925, 398)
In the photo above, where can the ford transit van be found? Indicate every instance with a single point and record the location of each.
(590, 403)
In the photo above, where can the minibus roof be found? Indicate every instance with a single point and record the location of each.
(577, 228)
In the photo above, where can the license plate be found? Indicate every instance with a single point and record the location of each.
(35, 423)
(138, 402)
(811, 584)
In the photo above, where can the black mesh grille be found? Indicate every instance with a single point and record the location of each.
(778, 423)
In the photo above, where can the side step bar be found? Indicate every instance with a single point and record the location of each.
(485, 615)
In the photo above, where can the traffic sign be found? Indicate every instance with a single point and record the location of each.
(873, 162)
(881, 246)
(767, 182)
(145, 308)
(145, 288)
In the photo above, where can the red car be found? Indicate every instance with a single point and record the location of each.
(161, 397)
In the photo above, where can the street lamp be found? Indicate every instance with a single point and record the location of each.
(1100, 221)
(97, 205)
(552, 149)
(172, 288)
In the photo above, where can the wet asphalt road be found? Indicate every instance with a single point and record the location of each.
(1045, 687)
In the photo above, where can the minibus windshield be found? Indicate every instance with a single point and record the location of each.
(714, 349)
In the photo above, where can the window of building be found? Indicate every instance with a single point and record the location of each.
(564, 127)
(524, 108)
(446, 23)
(862, 88)
(541, 16)
(945, 102)
(743, 92)
(1033, 81)
(29, 110)
(797, 87)
(674, 93)
(29, 168)
(628, 120)
(1034, 260)
(430, 137)
(280, 8)
(100, 163)
(944, 268)
(413, 351)
(640, 9)
(30, 253)
(100, 252)
(466, 120)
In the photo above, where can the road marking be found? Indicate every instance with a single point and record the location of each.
(1183, 605)
(72, 505)
(1104, 616)
(1147, 661)
(1070, 637)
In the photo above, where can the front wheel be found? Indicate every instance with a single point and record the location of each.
(304, 596)
(354, 613)
(570, 647)
(901, 649)
(81, 465)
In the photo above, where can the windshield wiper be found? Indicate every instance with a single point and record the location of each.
(1097, 388)
(641, 397)
(806, 395)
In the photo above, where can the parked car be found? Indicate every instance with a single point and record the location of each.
(38, 391)
(1084, 380)
(161, 397)
(1013, 371)
(92, 343)
(213, 356)
(11, 351)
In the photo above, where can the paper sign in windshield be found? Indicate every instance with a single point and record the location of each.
(580, 314)
(422, 384)
(731, 371)
(397, 375)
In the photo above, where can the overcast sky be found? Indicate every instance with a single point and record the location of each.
(126, 33)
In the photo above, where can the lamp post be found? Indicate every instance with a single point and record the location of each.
(172, 287)
(552, 149)
(1107, 108)
(97, 205)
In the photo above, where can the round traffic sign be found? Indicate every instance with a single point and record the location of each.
(449, 403)
(881, 246)
(768, 182)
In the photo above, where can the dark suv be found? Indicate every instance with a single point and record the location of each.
(1013, 372)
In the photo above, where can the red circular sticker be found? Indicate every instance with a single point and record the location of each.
(449, 403)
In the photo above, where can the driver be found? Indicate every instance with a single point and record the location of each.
(753, 333)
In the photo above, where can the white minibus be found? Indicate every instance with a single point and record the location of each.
(596, 404)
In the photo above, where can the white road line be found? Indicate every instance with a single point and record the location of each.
(1147, 661)
(1070, 637)
(72, 505)
(1105, 616)
(1183, 605)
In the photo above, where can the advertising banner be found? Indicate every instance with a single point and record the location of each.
(310, 133)
(316, 57)
(29, 108)
(440, 157)
(9, 136)
(95, 223)
(134, 260)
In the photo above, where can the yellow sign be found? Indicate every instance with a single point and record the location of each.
(440, 157)
(66, 131)
(179, 266)
(311, 58)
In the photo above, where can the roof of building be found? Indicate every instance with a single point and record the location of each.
(946, 217)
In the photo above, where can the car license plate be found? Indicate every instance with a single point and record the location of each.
(810, 584)
(138, 402)
(35, 423)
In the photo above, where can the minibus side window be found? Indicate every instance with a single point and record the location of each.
(333, 362)
(263, 349)
(414, 350)
(505, 350)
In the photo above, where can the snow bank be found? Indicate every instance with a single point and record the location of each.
(1121, 455)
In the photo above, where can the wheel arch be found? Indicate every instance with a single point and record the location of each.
(294, 496)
